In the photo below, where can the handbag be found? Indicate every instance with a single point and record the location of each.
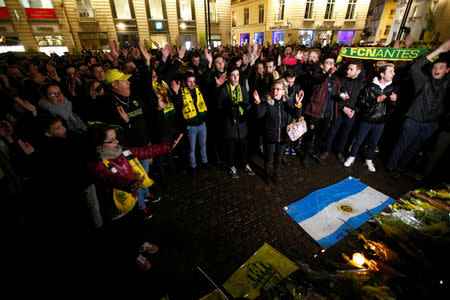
(296, 129)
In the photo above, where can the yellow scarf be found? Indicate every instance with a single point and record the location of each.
(161, 90)
(189, 110)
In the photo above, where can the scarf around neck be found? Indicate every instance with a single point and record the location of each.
(64, 111)
(109, 153)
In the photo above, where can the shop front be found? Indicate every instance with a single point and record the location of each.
(259, 38)
(278, 37)
(245, 38)
(306, 37)
(9, 40)
(44, 24)
(346, 37)
(324, 37)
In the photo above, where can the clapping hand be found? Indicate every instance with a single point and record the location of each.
(381, 98)
(26, 147)
(123, 114)
(175, 86)
(256, 96)
(299, 98)
(220, 80)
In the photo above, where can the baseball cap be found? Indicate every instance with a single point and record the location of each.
(113, 74)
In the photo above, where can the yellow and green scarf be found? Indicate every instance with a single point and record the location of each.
(161, 90)
(236, 99)
(189, 110)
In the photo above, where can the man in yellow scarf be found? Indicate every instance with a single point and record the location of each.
(193, 109)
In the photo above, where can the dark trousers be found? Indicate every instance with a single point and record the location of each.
(273, 152)
(163, 159)
(316, 134)
(343, 125)
(230, 149)
(374, 131)
(412, 138)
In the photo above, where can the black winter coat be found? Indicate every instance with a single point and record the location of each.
(225, 110)
(275, 118)
(371, 110)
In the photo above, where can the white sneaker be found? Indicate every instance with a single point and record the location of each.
(370, 166)
(350, 160)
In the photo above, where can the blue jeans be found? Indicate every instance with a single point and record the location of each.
(375, 131)
(412, 138)
(142, 193)
(343, 125)
(195, 132)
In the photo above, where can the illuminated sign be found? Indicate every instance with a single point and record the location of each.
(158, 25)
(40, 13)
(4, 12)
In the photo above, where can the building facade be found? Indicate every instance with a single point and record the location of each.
(298, 21)
(65, 25)
(379, 21)
(423, 15)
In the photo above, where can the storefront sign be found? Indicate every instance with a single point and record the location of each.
(6, 28)
(4, 12)
(329, 27)
(45, 28)
(278, 27)
(158, 25)
(381, 53)
(40, 13)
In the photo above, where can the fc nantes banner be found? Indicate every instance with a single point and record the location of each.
(376, 53)
(264, 269)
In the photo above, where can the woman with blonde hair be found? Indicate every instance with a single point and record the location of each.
(274, 111)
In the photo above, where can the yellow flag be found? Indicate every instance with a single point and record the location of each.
(430, 27)
(265, 268)
(214, 295)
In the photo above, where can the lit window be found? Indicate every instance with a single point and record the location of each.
(156, 9)
(350, 10)
(280, 14)
(329, 11)
(261, 13)
(85, 9)
(246, 15)
(309, 9)
(37, 3)
(123, 10)
(185, 10)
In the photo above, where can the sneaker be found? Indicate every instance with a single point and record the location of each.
(233, 172)
(152, 198)
(149, 248)
(370, 166)
(143, 263)
(324, 155)
(287, 150)
(350, 160)
(146, 214)
(319, 160)
(341, 157)
(249, 170)
(293, 152)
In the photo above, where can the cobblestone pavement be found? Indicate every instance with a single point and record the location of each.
(216, 223)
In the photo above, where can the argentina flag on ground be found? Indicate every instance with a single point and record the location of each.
(327, 213)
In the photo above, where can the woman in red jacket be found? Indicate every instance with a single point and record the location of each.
(116, 182)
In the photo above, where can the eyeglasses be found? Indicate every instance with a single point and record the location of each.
(110, 142)
(55, 94)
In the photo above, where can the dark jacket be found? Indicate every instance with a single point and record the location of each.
(275, 118)
(428, 101)
(316, 105)
(227, 111)
(371, 110)
(353, 88)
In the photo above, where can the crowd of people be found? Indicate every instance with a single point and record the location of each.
(87, 136)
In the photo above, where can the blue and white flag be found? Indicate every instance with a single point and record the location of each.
(327, 213)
